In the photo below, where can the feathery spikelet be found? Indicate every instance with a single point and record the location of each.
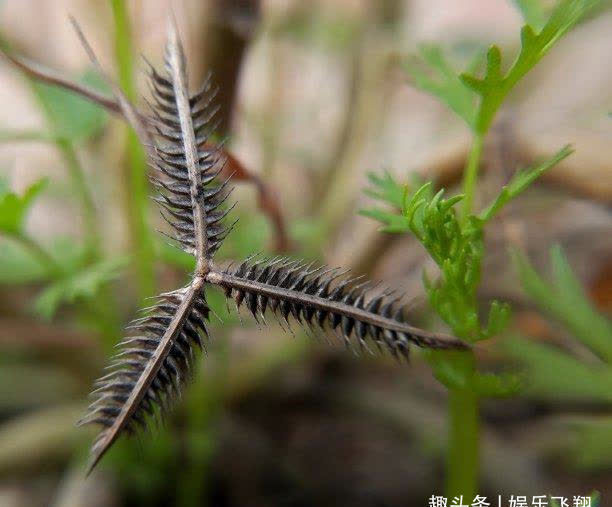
(155, 360)
(184, 123)
(153, 363)
(322, 297)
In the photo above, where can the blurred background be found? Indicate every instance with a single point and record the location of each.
(314, 96)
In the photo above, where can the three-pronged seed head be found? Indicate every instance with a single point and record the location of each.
(156, 357)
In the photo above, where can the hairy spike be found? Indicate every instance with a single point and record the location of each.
(184, 121)
(301, 291)
(153, 363)
(176, 65)
(154, 360)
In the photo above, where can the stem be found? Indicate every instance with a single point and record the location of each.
(104, 309)
(463, 440)
(123, 48)
(140, 236)
(77, 175)
(43, 257)
(75, 171)
(470, 175)
(27, 135)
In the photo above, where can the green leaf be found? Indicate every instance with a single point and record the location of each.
(595, 496)
(458, 251)
(72, 117)
(564, 299)
(394, 223)
(82, 284)
(14, 208)
(520, 181)
(444, 84)
(494, 86)
(18, 266)
(554, 375)
(386, 189)
(453, 370)
(499, 315)
(490, 385)
(590, 448)
(449, 368)
(533, 12)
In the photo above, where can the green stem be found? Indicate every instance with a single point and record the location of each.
(463, 440)
(104, 309)
(43, 257)
(27, 135)
(123, 48)
(77, 175)
(470, 175)
(137, 174)
(75, 172)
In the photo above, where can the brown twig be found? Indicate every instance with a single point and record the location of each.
(267, 200)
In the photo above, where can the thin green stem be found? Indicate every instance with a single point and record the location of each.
(137, 174)
(75, 172)
(123, 48)
(25, 135)
(77, 176)
(42, 256)
(463, 439)
(470, 175)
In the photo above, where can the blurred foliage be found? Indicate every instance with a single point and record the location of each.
(458, 91)
(434, 74)
(73, 118)
(71, 274)
(135, 170)
(81, 283)
(13, 207)
(564, 299)
(556, 374)
(534, 12)
(19, 266)
(455, 242)
(328, 29)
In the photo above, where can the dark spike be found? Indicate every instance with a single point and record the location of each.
(301, 291)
